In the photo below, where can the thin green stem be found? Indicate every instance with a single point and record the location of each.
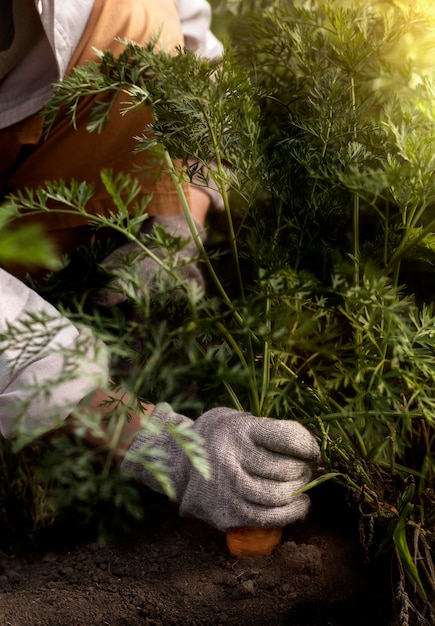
(265, 384)
(192, 226)
(194, 230)
(255, 402)
(407, 245)
(355, 202)
(220, 180)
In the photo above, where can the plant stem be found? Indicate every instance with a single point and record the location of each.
(407, 245)
(265, 384)
(193, 229)
(250, 362)
(356, 202)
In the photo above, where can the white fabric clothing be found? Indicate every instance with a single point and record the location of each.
(47, 365)
(195, 17)
(28, 87)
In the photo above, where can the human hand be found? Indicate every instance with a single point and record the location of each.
(147, 269)
(256, 466)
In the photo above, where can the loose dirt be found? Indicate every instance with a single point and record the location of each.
(177, 571)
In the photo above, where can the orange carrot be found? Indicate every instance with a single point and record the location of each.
(250, 541)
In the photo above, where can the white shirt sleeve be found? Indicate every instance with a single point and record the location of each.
(47, 365)
(29, 86)
(195, 18)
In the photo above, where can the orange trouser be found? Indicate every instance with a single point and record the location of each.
(29, 160)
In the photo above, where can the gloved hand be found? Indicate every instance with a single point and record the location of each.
(130, 256)
(256, 466)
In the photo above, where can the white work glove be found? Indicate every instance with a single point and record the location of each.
(130, 256)
(256, 466)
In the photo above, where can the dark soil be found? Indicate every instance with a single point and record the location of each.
(178, 571)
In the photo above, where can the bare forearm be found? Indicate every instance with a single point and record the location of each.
(102, 404)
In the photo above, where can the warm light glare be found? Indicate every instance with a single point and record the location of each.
(426, 5)
(419, 43)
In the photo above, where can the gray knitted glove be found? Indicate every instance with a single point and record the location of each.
(130, 256)
(256, 466)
